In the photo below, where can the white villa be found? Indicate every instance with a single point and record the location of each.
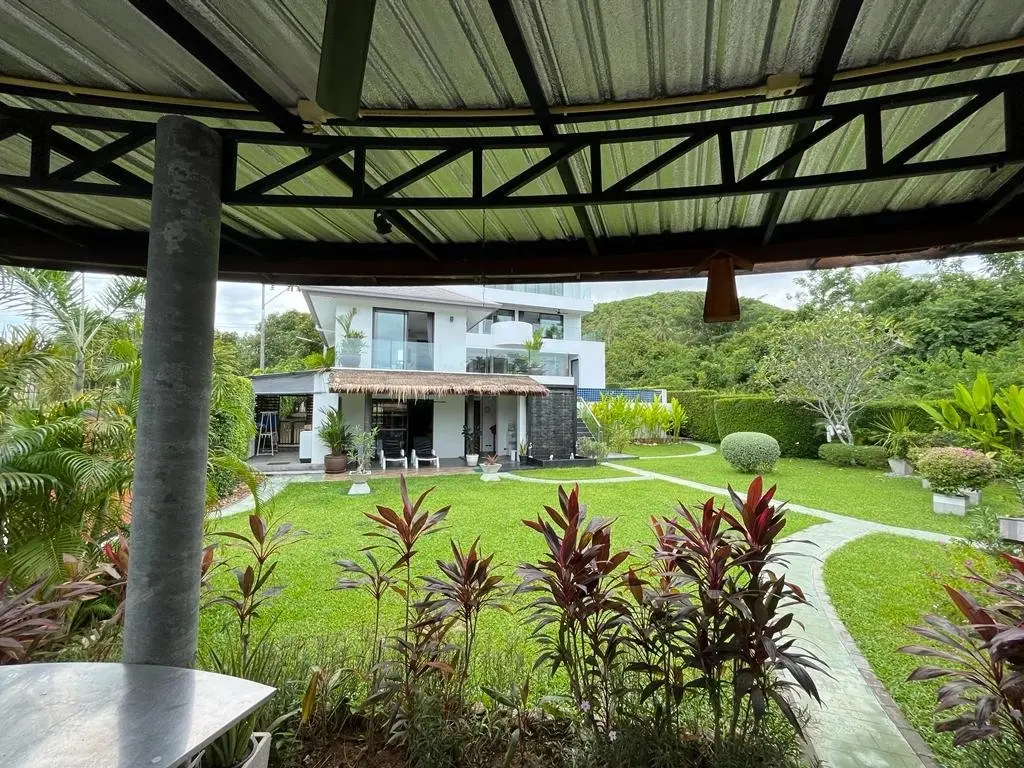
(422, 363)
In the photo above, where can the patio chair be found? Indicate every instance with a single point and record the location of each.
(401, 460)
(423, 453)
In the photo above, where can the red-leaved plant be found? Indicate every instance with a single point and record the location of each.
(707, 615)
(983, 660)
(35, 618)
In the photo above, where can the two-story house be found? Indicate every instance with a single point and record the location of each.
(422, 363)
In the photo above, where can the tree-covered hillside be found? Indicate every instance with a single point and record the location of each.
(951, 324)
(662, 341)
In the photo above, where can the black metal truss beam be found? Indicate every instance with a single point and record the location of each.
(1013, 140)
(843, 21)
(505, 18)
(875, 238)
(883, 160)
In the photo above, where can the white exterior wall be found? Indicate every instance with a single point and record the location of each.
(321, 402)
(449, 416)
(353, 408)
(572, 327)
(449, 328)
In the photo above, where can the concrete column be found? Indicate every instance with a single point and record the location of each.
(169, 490)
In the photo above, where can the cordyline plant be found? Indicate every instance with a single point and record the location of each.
(983, 660)
(577, 596)
(707, 615)
(35, 618)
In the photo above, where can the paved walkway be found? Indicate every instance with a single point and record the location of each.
(272, 486)
(857, 725)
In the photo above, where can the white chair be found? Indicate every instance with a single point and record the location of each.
(401, 460)
(423, 453)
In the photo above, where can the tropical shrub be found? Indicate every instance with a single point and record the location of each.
(232, 418)
(949, 470)
(894, 433)
(982, 661)
(750, 451)
(699, 406)
(986, 419)
(37, 618)
(790, 423)
(677, 419)
(692, 623)
(594, 449)
(879, 411)
(843, 455)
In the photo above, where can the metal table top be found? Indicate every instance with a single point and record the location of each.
(115, 715)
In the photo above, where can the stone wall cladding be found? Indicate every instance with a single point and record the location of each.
(551, 422)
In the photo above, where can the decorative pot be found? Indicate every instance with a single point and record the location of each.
(1012, 528)
(973, 496)
(349, 361)
(334, 465)
(949, 505)
(900, 467)
(359, 485)
(489, 472)
(259, 752)
(472, 459)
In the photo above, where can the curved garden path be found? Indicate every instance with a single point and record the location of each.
(703, 449)
(858, 725)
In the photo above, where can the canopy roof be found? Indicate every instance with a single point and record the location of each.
(411, 385)
(618, 138)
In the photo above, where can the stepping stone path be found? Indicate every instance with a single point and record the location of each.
(857, 725)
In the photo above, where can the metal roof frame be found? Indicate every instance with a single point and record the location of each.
(341, 148)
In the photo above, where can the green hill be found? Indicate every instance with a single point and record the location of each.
(662, 341)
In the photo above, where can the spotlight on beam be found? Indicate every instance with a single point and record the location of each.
(721, 301)
(381, 223)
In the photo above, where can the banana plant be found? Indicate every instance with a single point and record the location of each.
(971, 413)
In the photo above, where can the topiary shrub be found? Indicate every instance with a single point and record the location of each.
(842, 455)
(753, 452)
(699, 405)
(951, 469)
(790, 423)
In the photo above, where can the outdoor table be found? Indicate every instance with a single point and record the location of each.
(79, 715)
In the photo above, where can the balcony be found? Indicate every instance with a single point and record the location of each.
(517, 361)
(390, 355)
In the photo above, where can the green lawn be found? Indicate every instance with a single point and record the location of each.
(577, 473)
(662, 449)
(863, 493)
(493, 511)
(882, 584)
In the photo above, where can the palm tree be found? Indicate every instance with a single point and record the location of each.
(56, 304)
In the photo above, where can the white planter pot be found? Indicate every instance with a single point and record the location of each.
(949, 505)
(489, 472)
(900, 467)
(472, 459)
(1012, 528)
(260, 758)
(973, 496)
(359, 485)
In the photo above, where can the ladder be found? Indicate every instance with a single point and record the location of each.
(266, 438)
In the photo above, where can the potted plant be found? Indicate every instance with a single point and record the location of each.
(895, 435)
(490, 469)
(533, 348)
(363, 441)
(954, 472)
(1011, 469)
(472, 437)
(352, 342)
(335, 432)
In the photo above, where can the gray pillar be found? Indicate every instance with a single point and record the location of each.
(169, 491)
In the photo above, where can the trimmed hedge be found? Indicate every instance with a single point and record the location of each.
(699, 405)
(788, 422)
(870, 456)
(880, 409)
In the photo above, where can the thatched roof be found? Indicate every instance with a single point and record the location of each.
(412, 385)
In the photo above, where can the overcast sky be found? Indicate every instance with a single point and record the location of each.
(238, 304)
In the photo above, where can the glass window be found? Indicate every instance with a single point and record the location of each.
(551, 326)
(403, 340)
(498, 316)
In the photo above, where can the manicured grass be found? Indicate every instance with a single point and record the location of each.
(867, 494)
(662, 449)
(575, 473)
(881, 585)
(335, 525)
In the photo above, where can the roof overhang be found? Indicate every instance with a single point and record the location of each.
(295, 383)
(414, 385)
(851, 158)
